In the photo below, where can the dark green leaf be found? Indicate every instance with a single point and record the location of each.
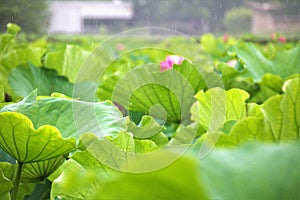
(284, 64)
(26, 78)
(41, 191)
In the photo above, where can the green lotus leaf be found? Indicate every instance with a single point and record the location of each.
(39, 190)
(5, 157)
(252, 171)
(22, 141)
(39, 171)
(83, 174)
(281, 118)
(208, 115)
(269, 86)
(78, 181)
(145, 146)
(279, 122)
(178, 180)
(71, 117)
(12, 55)
(67, 62)
(145, 87)
(26, 78)
(284, 63)
(149, 129)
(7, 171)
(100, 160)
(5, 184)
(85, 178)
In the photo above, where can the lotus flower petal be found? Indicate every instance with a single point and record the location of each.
(170, 60)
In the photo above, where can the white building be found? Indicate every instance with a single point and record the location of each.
(87, 16)
(264, 22)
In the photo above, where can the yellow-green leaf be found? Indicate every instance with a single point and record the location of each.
(22, 141)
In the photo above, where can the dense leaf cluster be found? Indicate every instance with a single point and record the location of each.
(221, 130)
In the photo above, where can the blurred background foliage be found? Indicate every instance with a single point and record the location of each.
(238, 20)
(32, 15)
(199, 16)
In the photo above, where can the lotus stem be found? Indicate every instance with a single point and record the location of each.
(16, 181)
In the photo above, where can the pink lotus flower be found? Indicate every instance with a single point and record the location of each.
(170, 60)
(282, 39)
(120, 47)
(225, 38)
(273, 36)
(232, 63)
